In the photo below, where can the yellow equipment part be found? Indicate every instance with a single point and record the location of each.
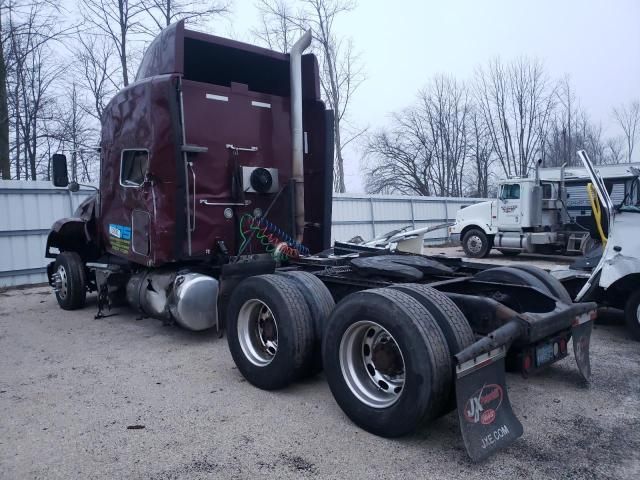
(597, 212)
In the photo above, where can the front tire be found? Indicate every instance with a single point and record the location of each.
(476, 244)
(70, 281)
(632, 314)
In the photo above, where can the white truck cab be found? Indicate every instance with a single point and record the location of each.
(529, 215)
(615, 280)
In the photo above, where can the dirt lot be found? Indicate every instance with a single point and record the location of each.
(70, 386)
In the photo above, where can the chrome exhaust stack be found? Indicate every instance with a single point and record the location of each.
(296, 129)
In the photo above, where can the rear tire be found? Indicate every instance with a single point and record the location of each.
(386, 361)
(632, 314)
(269, 331)
(476, 244)
(71, 291)
(454, 325)
(320, 303)
(450, 319)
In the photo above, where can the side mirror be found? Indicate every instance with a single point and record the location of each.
(74, 187)
(59, 168)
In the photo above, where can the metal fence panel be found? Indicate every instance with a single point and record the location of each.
(28, 209)
(372, 215)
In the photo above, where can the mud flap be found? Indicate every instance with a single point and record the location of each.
(487, 421)
(581, 333)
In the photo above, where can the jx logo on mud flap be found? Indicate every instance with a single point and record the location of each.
(483, 404)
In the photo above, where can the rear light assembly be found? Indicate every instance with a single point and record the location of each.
(526, 362)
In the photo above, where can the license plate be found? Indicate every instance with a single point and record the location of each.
(544, 354)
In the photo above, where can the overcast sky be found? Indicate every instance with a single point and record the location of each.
(403, 43)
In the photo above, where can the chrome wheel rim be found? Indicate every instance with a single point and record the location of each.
(474, 244)
(372, 364)
(258, 332)
(638, 314)
(62, 282)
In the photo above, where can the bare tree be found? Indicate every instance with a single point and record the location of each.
(398, 161)
(341, 71)
(25, 26)
(162, 13)
(35, 81)
(77, 137)
(570, 130)
(426, 149)
(116, 20)
(628, 117)
(561, 136)
(31, 69)
(613, 151)
(445, 109)
(481, 152)
(277, 29)
(5, 164)
(516, 101)
(94, 67)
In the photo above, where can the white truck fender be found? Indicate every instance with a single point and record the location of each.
(478, 215)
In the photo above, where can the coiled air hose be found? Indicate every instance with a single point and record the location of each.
(276, 241)
(597, 212)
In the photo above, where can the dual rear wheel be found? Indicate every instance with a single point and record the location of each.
(274, 327)
(389, 362)
(387, 352)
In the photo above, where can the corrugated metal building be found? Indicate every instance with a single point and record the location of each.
(576, 180)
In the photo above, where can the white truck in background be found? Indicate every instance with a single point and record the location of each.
(529, 215)
(615, 280)
(560, 221)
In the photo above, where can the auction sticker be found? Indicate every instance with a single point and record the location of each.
(120, 237)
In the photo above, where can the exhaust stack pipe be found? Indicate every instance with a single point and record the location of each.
(295, 59)
(562, 194)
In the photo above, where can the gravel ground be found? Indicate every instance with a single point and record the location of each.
(70, 386)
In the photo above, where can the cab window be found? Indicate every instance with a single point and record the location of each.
(510, 192)
(133, 167)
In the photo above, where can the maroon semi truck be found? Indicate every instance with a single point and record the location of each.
(214, 211)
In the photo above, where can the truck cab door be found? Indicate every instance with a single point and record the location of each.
(607, 206)
(131, 236)
(509, 206)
